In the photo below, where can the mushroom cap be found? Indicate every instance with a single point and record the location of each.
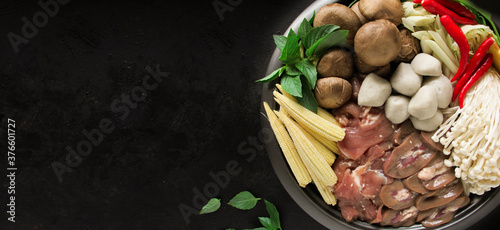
(340, 15)
(377, 43)
(391, 10)
(361, 17)
(336, 63)
(332, 92)
(410, 46)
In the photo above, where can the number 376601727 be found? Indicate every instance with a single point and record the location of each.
(11, 140)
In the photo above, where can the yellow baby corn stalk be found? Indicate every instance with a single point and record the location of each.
(325, 192)
(331, 145)
(289, 151)
(327, 116)
(314, 161)
(307, 118)
(322, 149)
(278, 86)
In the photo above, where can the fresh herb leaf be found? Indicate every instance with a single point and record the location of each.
(292, 85)
(291, 51)
(311, 21)
(244, 201)
(273, 215)
(352, 3)
(280, 41)
(335, 38)
(266, 222)
(304, 28)
(293, 70)
(309, 70)
(317, 33)
(212, 206)
(308, 99)
(275, 74)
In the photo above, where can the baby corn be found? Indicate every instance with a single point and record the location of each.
(289, 151)
(322, 149)
(332, 146)
(309, 153)
(322, 113)
(309, 119)
(325, 192)
(327, 116)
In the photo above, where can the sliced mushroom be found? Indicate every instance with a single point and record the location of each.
(396, 196)
(415, 184)
(437, 219)
(442, 197)
(408, 158)
(427, 138)
(436, 175)
(406, 128)
(399, 218)
(441, 215)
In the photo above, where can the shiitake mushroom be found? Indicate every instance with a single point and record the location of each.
(340, 15)
(377, 43)
(332, 92)
(336, 63)
(391, 10)
(410, 46)
(358, 13)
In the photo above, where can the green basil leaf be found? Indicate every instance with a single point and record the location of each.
(293, 70)
(212, 206)
(275, 74)
(308, 99)
(292, 85)
(280, 41)
(335, 38)
(352, 3)
(311, 21)
(304, 28)
(244, 201)
(273, 215)
(309, 70)
(266, 222)
(291, 51)
(317, 33)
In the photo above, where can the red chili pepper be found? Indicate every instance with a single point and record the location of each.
(485, 65)
(456, 33)
(417, 1)
(436, 8)
(458, 8)
(472, 66)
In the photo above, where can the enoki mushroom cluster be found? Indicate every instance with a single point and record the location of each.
(471, 136)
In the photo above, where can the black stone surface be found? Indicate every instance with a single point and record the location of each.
(153, 154)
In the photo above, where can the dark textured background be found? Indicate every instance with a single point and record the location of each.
(203, 116)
